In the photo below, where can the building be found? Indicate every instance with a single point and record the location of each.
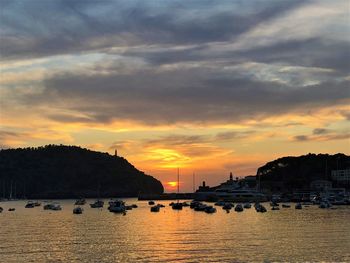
(320, 185)
(341, 176)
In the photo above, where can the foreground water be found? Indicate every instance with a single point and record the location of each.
(37, 235)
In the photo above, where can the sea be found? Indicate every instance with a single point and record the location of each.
(286, 235)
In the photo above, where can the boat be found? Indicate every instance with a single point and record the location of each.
(52, 207)
(298, 206)
(128, 207)
(37, 203)
(200, 207)
(247, 205)
(77, 210)
(239, 208)
(47, 206)
(285, 206)
(220, 203)
(325, 204)
(117, 206)
(56, 207)
(193, 204)
(160, 205)
(177, 206)
(210, 210)
(12, 209)
(260, 208)
(1, 209)
(230, 191)
(227, 206)
(80, 201)
(155, 208)
(185, 204)
(97, 204)
(275, 208)
(30, 204)
(274, 204)
(134, 206)
(151, 202)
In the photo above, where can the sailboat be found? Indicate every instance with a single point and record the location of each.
(177, 205)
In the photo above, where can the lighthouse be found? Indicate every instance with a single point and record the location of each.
(116, 152)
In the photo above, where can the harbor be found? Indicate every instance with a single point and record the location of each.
(98, 235)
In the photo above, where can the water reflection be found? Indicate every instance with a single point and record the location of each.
(36, 235)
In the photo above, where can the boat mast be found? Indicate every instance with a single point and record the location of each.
(10, 191)
(193, 186)
(178, 180)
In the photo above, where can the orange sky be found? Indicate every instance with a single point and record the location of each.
(206, 89)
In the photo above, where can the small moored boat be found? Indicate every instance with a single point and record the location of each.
(177, 206)
(210, 210)
(30, 204)
(298, 206)
(239, 208)
(77, 210)
(97, 204)
(155, 208)
(80, 201)
(247, 205)
(117, 206)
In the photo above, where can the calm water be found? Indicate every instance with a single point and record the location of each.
(35, 235)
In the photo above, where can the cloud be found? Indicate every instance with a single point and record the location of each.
(197, 95)
(320, 131)
(31, 29)
(323, 135)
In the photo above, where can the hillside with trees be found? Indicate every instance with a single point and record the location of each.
(61, 171)
(290, 173)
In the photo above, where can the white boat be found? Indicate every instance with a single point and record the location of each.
(231, 191)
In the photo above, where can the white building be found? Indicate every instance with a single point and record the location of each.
(341, 175)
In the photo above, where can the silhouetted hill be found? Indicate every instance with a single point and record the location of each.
(290, 173)
(69, 171)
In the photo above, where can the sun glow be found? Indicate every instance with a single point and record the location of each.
(168, 158)
(172, 184)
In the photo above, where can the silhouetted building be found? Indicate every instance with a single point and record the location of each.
(342, 176)
(321, 185)
(203, 188)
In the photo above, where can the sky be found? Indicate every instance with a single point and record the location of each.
(209, 87)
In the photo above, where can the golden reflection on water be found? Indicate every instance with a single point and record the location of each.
(35, 235)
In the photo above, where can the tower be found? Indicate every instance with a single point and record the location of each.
(115, 152)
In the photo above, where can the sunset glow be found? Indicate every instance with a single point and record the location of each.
(211, 91)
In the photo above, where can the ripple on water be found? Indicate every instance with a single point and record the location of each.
(35, 235)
